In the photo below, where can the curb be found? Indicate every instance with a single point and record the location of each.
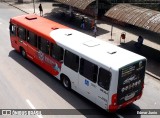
(16, 7)
(153, 75)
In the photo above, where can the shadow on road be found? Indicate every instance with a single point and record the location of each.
(130, 111)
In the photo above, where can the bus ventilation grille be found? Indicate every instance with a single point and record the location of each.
(54, 28)
(69, 34)
(31, 17)
(111, 52)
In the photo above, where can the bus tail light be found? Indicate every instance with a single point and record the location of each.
(113, 107)
(114, 99)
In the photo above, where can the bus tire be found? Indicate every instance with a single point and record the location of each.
(23, 53)
(66, 82)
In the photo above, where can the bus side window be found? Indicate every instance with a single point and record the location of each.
(43, 45)
(88, 70)
(71, 60)
(21, 33)
(57, 52)
(32, 38)
(104, 78)
(12, 29)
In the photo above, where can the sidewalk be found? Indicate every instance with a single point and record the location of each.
(151, 48)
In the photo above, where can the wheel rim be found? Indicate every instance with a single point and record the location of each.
(66, 82)
(23, 53)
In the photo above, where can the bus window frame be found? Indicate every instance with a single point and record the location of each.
(11, 27)
(20, 33)
(56, 52)
(106, 78)
(93, 75)
(40, 45)
(71, 63)
(35, 38)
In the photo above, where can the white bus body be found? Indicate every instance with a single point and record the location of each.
(125, 69)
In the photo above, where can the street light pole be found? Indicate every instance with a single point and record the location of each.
(111, 31)
(34, 6)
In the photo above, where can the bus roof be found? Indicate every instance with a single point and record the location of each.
(41, 26)
(106, 54)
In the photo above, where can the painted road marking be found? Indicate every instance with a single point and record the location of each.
(119, 116)
(32, 106)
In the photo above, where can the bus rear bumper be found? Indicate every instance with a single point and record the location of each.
(114, 108)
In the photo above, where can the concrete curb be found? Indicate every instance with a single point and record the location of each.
(16, 7)
(153, 75)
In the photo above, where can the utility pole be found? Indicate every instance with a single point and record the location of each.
(34, 6)
(111, 31)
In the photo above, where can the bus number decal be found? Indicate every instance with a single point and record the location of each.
(103, 91)
(93, 85)
(47, 60)
(56, 67)
(41, 55)
(102, 98)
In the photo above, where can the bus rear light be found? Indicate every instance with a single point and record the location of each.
(113, 108)
(114, 99)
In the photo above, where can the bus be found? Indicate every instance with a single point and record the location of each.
(109, 76)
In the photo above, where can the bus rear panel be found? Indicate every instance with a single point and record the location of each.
(130, 85)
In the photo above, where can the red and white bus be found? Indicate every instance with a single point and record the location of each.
(107, 75)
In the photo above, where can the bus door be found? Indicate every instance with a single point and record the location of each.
(87, 79)
(13, 36)
(102, 96)
(32, 45)
(71, 62)
(21, 34)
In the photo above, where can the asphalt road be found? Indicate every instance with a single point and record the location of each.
(23, 85)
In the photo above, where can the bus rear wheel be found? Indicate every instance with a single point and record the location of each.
(66, 82)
